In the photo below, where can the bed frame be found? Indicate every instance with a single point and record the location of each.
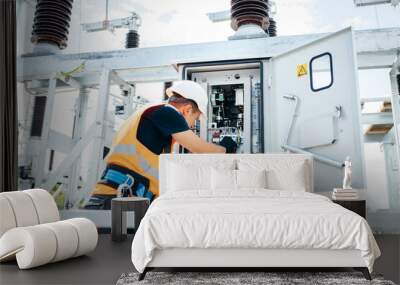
(246, 259)
(240, 259)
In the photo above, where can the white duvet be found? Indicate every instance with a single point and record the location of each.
(251, 218)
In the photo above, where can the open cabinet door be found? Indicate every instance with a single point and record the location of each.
(314, 107)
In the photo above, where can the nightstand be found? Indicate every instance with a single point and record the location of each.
(119, 207)
(357, 206)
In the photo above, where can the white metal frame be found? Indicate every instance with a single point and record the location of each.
(76, 144)
(260, 257)
(155, 64)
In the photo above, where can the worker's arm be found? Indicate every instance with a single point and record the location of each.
(194, 144)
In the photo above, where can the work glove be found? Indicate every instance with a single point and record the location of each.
(229, 144)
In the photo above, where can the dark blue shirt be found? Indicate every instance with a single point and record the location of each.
(157, 125)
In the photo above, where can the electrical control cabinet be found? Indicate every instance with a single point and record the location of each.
(234, 107)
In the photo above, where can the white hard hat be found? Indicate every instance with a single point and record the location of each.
(190, 90)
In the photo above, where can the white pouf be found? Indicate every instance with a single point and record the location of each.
(31, 232)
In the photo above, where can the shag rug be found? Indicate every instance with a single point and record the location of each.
(243, 278)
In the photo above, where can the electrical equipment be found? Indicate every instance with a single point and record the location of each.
(226, 115)
(230, 107)
(256, 125)
(132, 23)
(38, 116)
(239, 93)
(250, 13)
(51, 23)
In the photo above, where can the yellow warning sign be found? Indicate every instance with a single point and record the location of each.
(302, 69)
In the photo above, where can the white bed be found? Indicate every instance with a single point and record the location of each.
(194, 223)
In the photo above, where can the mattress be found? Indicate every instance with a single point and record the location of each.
(250, 219)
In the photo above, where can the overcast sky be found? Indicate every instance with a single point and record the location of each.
(185, 21)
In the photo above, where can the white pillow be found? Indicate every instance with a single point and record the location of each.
(227, 179)
(223, 179)
(192, 175)
(293, 179)
(282, 174)
(251, 178)
(183, 177)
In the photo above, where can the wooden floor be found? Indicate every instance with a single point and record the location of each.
(110, 260)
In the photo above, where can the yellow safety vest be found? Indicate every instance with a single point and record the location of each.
(128, 152)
